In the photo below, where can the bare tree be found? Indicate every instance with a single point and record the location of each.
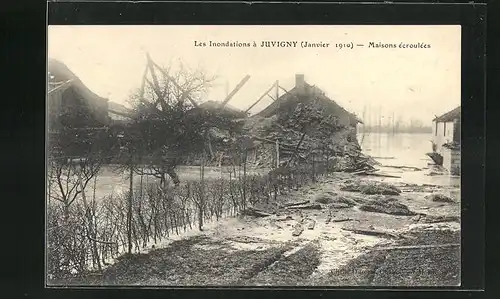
(172, 124)
(166, 110)
(73, 164)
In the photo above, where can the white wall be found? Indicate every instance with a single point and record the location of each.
(452, 161)
(443, 135)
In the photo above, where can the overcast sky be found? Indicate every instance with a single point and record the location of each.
(411, 83)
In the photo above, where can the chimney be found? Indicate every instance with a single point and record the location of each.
(300, 83)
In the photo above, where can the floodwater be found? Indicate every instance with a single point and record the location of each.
(112, 181)
(405, 149)
(388, 149)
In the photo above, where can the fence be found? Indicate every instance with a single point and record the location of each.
(85, 237)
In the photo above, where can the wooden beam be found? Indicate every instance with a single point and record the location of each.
(143, 82)
(61, 86)
(142, 89)
(296, 149)
(256, 102)
(274, 100)
(156, 85)
(172, 79)
(235, 90)
(277, 89)
(286, 91)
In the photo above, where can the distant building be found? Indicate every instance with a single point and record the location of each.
(70, 102)
(305, 93)
(446, 136)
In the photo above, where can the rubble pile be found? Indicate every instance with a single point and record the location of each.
(441, 198)
(306, 134)
(372, 188)
(302, 133)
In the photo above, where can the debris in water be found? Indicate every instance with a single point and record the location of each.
(311, 224)
(342, 219)
(438, 219)
(416, 218)
(417, 247)
(441, 198)
(383, 189)
(324, 198)
(285, 219)
(371, 232)
(298, 229)
(254, 213)
(403, 167)
(384, 175)
(372, 189)
(340, 205)
(307, 207)
(296, 203)
(387, 206)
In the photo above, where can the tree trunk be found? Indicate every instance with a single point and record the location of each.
(129, 209)
(173, 175)
(245, 179)
(202, 192)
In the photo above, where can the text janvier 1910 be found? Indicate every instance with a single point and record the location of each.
(307, 44)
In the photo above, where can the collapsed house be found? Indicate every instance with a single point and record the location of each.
(301, 123)
(305, 93)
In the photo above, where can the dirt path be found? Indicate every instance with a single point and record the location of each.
(346, 242)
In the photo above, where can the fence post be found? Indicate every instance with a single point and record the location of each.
(313, 170)
(277, 154)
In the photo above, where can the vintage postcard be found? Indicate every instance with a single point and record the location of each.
(253, 156)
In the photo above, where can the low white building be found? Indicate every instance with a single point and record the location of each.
(446, 132)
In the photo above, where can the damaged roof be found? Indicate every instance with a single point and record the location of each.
(60, 74)
(116, 111)
(449, 116)
(212, 105)
(314, 93)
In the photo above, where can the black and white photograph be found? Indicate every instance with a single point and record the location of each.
(253, 156)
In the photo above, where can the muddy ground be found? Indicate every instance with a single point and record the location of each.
(348, 234)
